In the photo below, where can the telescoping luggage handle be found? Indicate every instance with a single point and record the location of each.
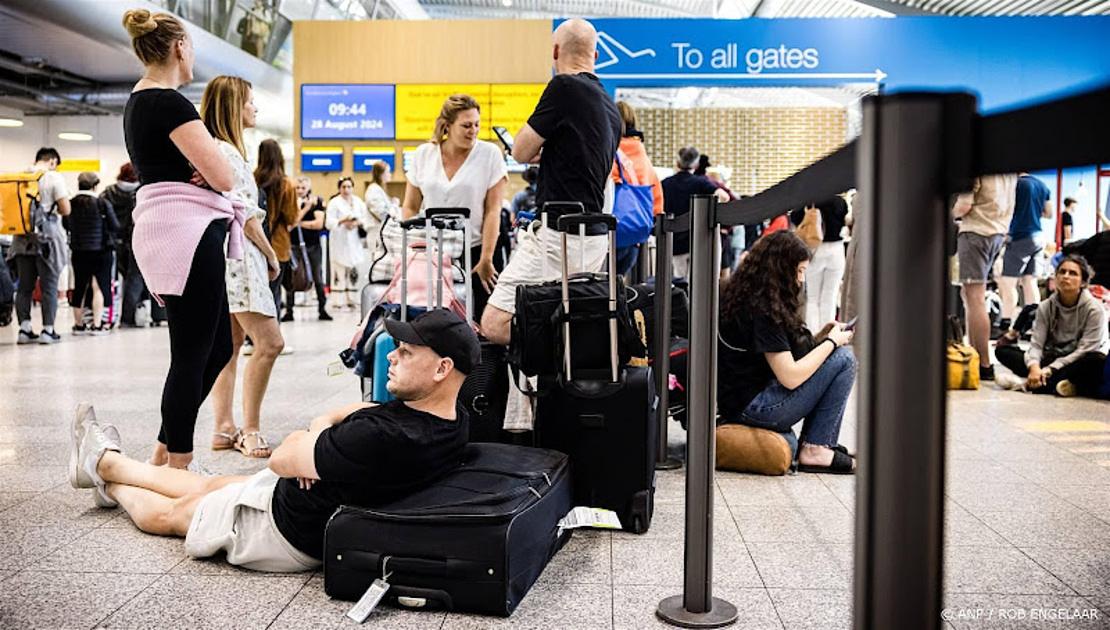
(565, 224)
(440, 219)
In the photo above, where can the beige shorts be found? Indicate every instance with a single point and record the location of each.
(539, 258)
(237, 519)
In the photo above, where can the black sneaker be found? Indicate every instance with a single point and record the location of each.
(288, 317)
(324, 317)
(48, 337)
(80, 330)
(27, 337)
(986, 373)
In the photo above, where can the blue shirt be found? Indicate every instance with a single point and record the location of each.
(1028, 206)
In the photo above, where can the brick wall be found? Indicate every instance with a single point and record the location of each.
(762, 146)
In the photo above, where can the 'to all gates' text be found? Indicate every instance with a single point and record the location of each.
(756, 60)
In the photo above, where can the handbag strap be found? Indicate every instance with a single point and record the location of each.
(620, 168)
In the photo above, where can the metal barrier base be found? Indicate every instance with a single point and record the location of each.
(671, 463)
(673, 611)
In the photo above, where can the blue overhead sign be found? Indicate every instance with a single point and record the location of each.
(1005, 59)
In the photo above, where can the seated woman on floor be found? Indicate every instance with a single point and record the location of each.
(1067, 354)
(772, 372)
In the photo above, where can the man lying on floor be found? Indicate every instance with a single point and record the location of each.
(362, 454)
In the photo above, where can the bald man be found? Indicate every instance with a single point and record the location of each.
(573, 134)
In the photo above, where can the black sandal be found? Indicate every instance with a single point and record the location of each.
(843, 449)
(841, 465)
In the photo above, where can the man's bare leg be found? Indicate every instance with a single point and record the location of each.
(496, 325)
(168, 482)
(978, 321)
(155, 513)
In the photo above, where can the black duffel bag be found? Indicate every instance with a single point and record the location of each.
(534, 346)
(641, 297)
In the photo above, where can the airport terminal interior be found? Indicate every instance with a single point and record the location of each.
(289, 337)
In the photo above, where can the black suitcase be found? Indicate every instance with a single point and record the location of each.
(605, 421)
(485, 394)
(474, 541)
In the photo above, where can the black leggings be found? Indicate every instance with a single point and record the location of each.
(1085, 373)
(200, 340)
(86, 267)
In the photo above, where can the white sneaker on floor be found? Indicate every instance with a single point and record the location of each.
(94, 444)
(286, 350)
(1009, 380)
(82, 415)
(1066, 389)
(248, 349)
(100, 496)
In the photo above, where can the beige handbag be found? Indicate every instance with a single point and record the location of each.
(811, 230)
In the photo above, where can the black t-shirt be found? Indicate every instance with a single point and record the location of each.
(581, 129)
(311, 237)
(1068, 220)
(742, 370)
(834, 212)
(677, 190)
(374, 456)
(148, 119)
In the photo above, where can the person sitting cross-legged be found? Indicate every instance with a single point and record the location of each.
(362, 454)
(1068, 349)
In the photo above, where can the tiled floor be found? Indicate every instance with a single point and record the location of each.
(1028, 528)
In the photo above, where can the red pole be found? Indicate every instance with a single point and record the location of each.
(1059, 205)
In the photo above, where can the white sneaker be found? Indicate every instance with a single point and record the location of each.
(1066, 389)
(93, 446)
(1009, 380)
(100, 496)
(82, 415)
(248, 349)
(286, 350)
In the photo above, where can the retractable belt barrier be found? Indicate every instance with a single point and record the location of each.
(915, 150)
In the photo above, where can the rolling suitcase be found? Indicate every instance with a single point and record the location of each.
(381, 343)
(474, 541)
(604, 421)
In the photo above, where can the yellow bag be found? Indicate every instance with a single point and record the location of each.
(963, 366)
(19, 203)
(748, 449)
(811, 230)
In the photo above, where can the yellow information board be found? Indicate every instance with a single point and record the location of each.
(79, 165)
(418, 105)
(512, 104)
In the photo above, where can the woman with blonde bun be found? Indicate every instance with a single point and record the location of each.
(182, 220)
(227, 108)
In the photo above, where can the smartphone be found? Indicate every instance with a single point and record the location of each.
(505, 137)
(852, 324)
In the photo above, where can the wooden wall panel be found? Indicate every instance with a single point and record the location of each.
(431, 51)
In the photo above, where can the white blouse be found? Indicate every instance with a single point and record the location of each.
(346, 246)
(482, 169)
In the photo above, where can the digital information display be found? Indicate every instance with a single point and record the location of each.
(406, 157)
(418, 107)
(366, 156)
(350, 112)
(322, 159)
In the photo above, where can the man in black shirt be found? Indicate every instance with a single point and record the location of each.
(677, 190)
(362, 454)
(573, 134)
(311, 224)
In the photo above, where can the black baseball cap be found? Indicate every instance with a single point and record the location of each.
(445, 333)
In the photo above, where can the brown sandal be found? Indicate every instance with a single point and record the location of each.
(260, 444)
(225, 441)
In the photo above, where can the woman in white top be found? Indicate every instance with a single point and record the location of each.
(456, 170)
(345, 214)
(378, 205)
(227, 108)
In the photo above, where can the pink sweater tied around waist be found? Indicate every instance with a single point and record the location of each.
(170, 219)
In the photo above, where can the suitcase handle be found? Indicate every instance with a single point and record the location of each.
(451, 212)
(582, 221)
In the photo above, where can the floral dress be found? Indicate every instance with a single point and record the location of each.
(248, 281)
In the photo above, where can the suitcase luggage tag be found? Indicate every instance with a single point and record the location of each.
(371, 598)
(583, 516)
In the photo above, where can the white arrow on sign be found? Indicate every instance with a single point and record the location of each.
(877, 76)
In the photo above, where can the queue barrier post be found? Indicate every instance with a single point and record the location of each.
(911, 154)
(664, 244)
(696, 607)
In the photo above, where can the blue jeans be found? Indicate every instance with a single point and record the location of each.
(820, 401)
(626, 258)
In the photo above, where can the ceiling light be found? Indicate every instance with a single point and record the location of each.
(506, 3)
(10, 122)
(75, 136)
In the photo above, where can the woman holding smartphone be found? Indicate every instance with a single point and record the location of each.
(774, 372)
